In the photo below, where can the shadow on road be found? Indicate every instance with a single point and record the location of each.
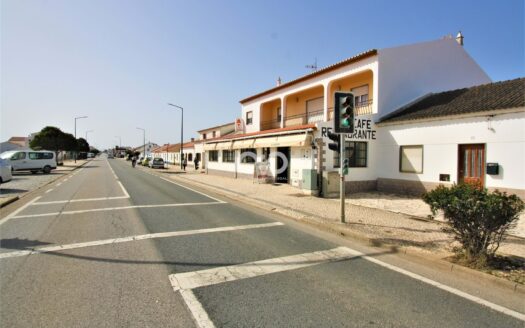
(10, 191)
(16, 243)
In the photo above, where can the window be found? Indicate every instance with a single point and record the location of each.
(279, 113)
(249, 118)
(248, 155)
(356, 152)
(213, 156)
(204, 136)
(228, 156)
(360, 95)
(40, 155)
(411, 159)
(190, 157)
(213, 134)
(19, 156)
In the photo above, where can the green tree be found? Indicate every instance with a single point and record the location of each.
(82, 145)
(53, 138)
(478, 219)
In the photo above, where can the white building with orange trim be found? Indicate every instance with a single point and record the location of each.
(289, 122)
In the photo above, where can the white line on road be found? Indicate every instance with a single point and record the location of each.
(198, 192)
(115, 209)
(200, 316)
(56, 248)
(20, 209)
(50, 190)
(123, 189)
(79, 200)
(202, 278)
(190, 280)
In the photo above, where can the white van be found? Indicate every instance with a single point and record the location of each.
(30, 160)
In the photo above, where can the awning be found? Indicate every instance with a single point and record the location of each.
(210, 146)
(297, 140)
(224, 145)
(246, 143)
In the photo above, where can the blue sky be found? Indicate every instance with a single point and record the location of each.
(120, 61)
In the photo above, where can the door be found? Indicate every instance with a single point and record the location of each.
(471, 166)
(283, 165)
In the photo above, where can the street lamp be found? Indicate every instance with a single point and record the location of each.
(120, 141)
(77, 118)
(181, 129)
(88, 132)
(144, 140)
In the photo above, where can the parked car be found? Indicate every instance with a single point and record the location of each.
(139, 162)
(146, 161)
(30, 160)
(5, 171)
(157, 163)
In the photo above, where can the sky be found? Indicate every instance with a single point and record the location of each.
(120, 62)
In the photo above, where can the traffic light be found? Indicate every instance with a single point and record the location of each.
(336, 145)
(344, 112)
(346, 165)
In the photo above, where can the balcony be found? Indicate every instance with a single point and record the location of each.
(270, 124)
(361, 108)
(305, 118)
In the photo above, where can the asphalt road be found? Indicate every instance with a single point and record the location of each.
(114, 246)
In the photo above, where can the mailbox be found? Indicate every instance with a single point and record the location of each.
(492, 168)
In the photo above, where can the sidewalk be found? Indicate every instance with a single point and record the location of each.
(374, 217)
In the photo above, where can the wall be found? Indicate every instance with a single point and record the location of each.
(505, 144)
(348, 83)
(296, 103)
(409, 72)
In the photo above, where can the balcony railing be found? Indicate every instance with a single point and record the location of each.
(305, 118)
(361, 108)
(271, 124)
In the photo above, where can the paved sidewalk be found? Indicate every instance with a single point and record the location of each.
(370, 216)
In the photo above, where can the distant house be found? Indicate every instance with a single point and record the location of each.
(21, 141)
(148, 147)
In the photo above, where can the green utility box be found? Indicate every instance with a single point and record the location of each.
(309, 181)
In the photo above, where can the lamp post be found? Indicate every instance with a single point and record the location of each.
(120, 141)
(77, 118)
(143, 139)
(181, 129)
(88, 132)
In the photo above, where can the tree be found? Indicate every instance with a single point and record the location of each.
(82, 145)
(53, 138)
(478, 219)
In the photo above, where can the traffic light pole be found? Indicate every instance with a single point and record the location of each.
(342, 176)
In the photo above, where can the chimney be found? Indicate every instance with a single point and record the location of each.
(192, 139)
(459, 38)
(279, 81)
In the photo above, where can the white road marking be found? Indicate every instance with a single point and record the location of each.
(198, 192)
(58, 184)
(201, 318)
(189, 280)
(123, 189)
(50, 190)
(20, 209)
(115, 209)
(202, 278)
(79, 200)
(56, 248)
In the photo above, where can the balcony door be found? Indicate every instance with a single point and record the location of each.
(471, 164)
(315, 110)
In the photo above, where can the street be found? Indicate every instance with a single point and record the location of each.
(114, 246)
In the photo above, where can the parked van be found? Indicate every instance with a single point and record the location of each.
(30, 160)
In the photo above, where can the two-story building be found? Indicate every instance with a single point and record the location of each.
(286, 126)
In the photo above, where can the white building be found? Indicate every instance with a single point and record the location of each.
(289, 123)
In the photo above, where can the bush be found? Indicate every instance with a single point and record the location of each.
(478, 219)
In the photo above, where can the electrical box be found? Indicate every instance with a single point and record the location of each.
(331, 181)
(492, 168)
(309, 181)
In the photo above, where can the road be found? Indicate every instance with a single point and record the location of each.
(113, 246)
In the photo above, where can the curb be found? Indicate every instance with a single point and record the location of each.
(344, 231)
(9, 201)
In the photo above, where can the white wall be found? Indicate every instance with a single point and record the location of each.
(409, 72)
(505, 144)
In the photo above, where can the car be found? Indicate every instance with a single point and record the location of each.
(110, 155)
(5, 171)
(157, 163)
(146, 161)
(141, 159)
(31, 160)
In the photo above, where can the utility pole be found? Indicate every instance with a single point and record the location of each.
(181, 130)
(143, 140)
(76, 146)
